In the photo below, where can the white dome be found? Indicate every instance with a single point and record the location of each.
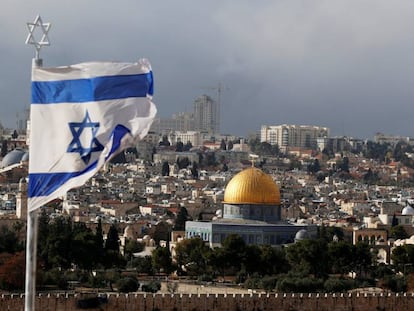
(408, 210)
(301, 235)
(13, 157)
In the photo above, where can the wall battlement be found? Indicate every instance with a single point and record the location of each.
(204, 302)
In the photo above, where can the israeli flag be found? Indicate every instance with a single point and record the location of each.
(81, 115)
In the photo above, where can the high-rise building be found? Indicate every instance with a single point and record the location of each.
(285, 136)
(391, 139)
(206, 115)
(183, 121)
(205, 118)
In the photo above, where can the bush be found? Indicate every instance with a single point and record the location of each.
(268, 283)
(54, 277)
(127, 284)
(338, 285)
(172, 287)
(151, 287)
(299, 285)
(205, 278)
(252, 282)
(241, 276)
(395, 283)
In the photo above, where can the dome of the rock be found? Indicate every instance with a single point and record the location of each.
(252, 186)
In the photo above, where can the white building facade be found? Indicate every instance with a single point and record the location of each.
(285, 136)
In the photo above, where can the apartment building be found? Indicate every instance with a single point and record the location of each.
(285, 136)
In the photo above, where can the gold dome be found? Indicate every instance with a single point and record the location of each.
(252, 186)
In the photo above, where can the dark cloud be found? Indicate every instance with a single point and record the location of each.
(348, 65)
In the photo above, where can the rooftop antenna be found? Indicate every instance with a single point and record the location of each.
(36, 29)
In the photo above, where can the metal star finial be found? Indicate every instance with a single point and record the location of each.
(34, 29)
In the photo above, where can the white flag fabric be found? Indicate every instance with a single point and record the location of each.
(81, 115)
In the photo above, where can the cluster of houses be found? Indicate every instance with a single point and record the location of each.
(137, 196)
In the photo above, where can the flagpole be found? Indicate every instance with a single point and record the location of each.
(31, 241)
(31, 260)
(32, 217)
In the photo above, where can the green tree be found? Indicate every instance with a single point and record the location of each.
(230, 145)
(162, 260)
(183, 162)
(343, 164)
(394, 221)
(160, 232)
(371, 177)
(328, 233)
(376, 151)
(314, 167)
(400, 151)
(403, 258)
(142, 265)
(224, 168)
(9, 241)
(210, 158)
(99, 243)
(233, 256)
(112, 239)
(192, 256)
(112, 257)
(133, 246)
(398, 232)
(340, 257)
(3, 148)
(223, 145)
(152, 287)
(188, 146)
(180, 220)
(252, 259)
(179, 147)
(295, 164)
(42, 237)
(127, 284)
(165, 171)
(235, 251)
(273, 261)
(165, 142)
(362, 258)
(194, 170)
(309, 257)
(84, 248)
(15, 134)
(59, 243)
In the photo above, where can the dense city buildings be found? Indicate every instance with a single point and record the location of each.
(182, 187)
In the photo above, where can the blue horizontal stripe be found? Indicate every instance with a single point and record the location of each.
(44, 184)
(94, 89)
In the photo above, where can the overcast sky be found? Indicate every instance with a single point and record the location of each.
(347, 65)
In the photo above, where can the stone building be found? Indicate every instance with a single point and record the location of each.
(251, 209)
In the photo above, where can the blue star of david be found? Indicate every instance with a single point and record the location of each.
(76, 146)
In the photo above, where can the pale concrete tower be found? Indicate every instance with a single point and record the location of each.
(21, 200)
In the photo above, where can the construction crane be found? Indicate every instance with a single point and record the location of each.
(219, 89)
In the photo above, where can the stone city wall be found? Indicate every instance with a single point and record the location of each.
(204, 302)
